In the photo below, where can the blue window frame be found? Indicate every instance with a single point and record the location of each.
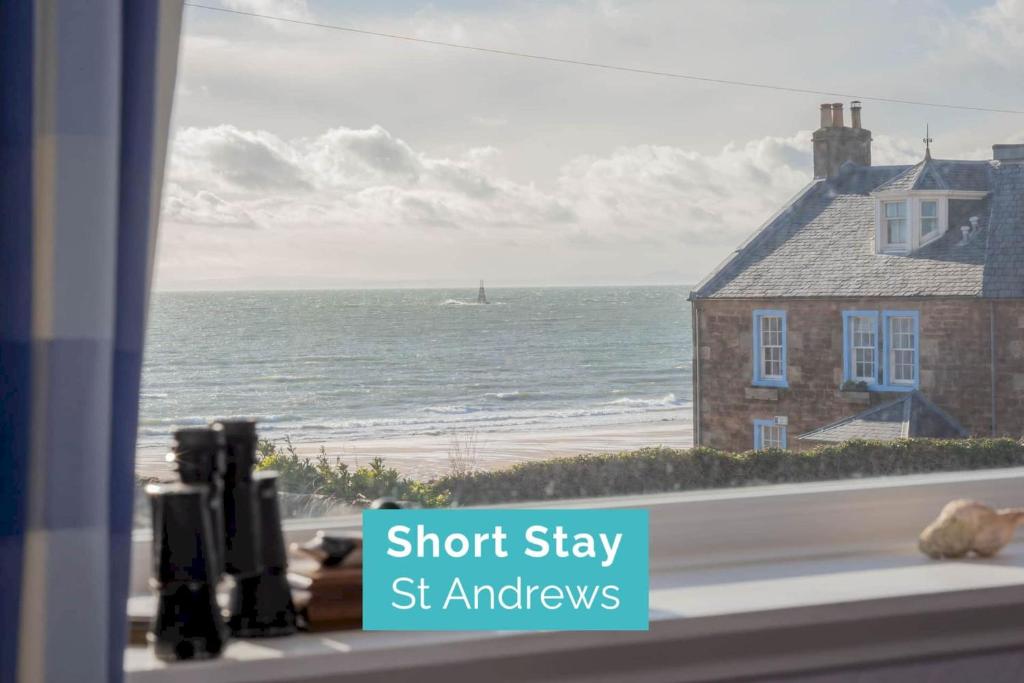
(901, 350)
(862, 346)
(769, 434)
(769, 361)
(882, 349)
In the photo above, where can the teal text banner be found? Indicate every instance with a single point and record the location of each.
(517, 570)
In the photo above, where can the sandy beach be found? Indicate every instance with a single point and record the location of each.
(427, 456)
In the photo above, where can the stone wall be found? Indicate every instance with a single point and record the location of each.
(955, 366)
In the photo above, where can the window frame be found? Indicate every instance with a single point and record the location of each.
(907, 225)
(889, 384)
(926, 238)
(760, 425)
(849, 361)
(914, 199)
(759, 378)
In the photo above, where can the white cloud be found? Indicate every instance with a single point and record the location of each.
(345, 178)
(996, 33)
(887, 150)
(370, 180)
(226, 158)
(203, 208)
(657, 191)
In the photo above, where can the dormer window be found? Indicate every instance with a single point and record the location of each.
(912, 208)
(910, 220)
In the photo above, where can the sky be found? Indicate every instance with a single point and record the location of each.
(303, 157)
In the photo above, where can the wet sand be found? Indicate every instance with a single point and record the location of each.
(429, 456)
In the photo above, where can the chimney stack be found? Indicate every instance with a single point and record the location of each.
(1008, 153)
(835, 144)
(837, 114)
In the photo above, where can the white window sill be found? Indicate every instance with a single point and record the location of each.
(775, 579)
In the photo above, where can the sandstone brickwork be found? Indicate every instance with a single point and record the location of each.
(955, 365)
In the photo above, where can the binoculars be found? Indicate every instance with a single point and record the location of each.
(222, 519)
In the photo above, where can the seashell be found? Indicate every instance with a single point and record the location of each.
(966, 526)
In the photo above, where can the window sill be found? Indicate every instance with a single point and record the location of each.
(770, 384)
(854, 396)
(715, 624)
(757, 393)
(789, 578)
(893, 388)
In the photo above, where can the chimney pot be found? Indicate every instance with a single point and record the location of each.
(855, 114)
(826, 115)
(837, 114)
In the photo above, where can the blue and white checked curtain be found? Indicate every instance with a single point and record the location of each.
(85, 98)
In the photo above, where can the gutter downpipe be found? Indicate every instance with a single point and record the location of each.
(992, 360)
(695, 322)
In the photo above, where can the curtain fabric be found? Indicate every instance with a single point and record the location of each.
(85, 98)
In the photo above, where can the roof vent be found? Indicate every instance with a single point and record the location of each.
(1008, 152)
(968, 231)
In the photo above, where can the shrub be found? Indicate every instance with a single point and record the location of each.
(647, 470)
(337, 481)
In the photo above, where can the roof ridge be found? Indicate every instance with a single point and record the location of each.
(908, 424)
(963, 161)
(935, 408)
(930, 168)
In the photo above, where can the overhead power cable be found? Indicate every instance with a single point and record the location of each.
(609, 67)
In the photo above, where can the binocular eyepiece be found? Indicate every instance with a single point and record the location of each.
(222, 519)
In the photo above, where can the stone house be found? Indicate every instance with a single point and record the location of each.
(880, 302)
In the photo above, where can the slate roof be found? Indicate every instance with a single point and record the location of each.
(911, 415)
(938, 174)
(821, 244)
(1004, 265)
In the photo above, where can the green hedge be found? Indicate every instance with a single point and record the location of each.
(648, 470)
(335, 480)
(651, 470)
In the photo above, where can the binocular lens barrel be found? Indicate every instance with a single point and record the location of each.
(261, 605)
(242, 551)
(187, 623)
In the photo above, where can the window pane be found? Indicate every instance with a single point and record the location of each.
(903, 345)
(772, 435)
(896, 231)
(895, 209)
(771, 347)
(863, 346)
(929, 225)
(929, 209)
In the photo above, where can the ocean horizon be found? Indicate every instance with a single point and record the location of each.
(357, 364)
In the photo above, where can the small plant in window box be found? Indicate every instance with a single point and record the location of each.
(856, 391)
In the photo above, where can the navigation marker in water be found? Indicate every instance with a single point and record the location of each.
(481, 297)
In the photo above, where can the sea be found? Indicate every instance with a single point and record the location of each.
(339, 365)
